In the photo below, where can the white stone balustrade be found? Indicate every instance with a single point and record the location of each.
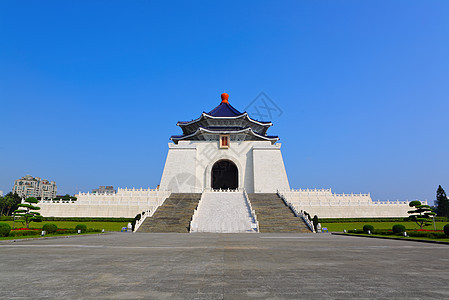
(125, 203)
(325, 204)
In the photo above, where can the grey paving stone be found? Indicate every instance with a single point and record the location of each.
(222, 266)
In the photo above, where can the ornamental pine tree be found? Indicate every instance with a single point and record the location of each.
(442, 203)
(421, 214)
(27, 211)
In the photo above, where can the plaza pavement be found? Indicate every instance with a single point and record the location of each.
(222, 266)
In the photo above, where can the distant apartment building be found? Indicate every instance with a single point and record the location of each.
(29, 186)
(105, 190)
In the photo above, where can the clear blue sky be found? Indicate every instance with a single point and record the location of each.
(90, 91)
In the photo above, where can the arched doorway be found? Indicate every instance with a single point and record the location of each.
(224, 175)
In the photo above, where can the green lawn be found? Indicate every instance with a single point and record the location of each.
(38, 236)
(107, 226)
(377, 225)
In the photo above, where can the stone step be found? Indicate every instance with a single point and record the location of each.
(174, 215)
(226, 212)
(273, 215)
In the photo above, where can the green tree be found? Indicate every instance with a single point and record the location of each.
(27, 211)
(2, 205)
(421, 214)
(442, 203)
(9, 203)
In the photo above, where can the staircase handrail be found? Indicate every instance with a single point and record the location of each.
(296, 212)
(193, 222)
(145, 214)
(253, 212)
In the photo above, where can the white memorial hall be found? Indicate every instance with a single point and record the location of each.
(224, 173)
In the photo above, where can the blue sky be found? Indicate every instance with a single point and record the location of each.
(90, 91)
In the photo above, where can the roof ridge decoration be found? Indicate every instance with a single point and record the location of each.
(224, 110)
(224, 115)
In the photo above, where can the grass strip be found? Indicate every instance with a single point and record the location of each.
(401, 238)
(45, 236)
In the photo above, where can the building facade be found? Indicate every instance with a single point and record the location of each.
(106, 190)
(224, 149)
(29, 186)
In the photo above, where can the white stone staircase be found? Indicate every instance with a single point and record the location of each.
(224, 211)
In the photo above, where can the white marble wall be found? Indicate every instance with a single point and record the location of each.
(189, 164)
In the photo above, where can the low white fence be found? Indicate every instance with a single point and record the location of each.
(325, 204)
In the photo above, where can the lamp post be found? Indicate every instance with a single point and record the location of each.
(434, 226)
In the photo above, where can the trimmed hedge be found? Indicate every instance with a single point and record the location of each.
(347, 220)
(89, 219)
(434, 235)
(81, 227)
(4, 229)
(367, 228)
(74, 219)
(24, 232)
(398, 228)
(50, 228)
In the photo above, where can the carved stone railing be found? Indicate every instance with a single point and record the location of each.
(149, 212)
(255, 223)
(297, 213)
(193, 222)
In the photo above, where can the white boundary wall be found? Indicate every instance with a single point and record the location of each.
(126, 203)
(325, 204)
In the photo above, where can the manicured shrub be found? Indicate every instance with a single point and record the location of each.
(50, 228)
(446, 229)
(66, 231)
(134, 221)
(367, 228)
(315, 222)
(81, 227)
(398, 228)
(4, 229)
(38, 219)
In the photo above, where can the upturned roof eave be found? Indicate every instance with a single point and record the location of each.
(201, 130)
(204, 114)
